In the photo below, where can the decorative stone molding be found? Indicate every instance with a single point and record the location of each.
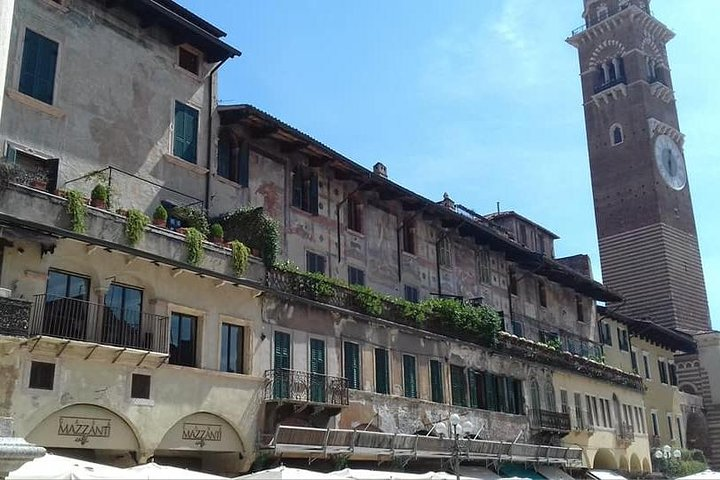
(663, 92)
(656, 127)
(609, 94)
(605, 51)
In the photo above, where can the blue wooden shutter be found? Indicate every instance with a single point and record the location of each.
(185, 132)
(409, 376)
(37, 72)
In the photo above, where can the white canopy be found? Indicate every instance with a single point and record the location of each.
(706, 475)
(285, 473)
(51, 467)
(153, 470)
(605, 475)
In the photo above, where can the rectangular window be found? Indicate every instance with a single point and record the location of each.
(37, 72)
(282, 362)
(123, 313)
(602, 417)
(233, 160)
(444, 255)
(483, 266)
(623, 342)
(409, 376)
(512, 281)
(65, 312)
(188, 60)
(42, 375)
(662, 369)
(491, 393)
(408, 236)
(638, 422)
(634, 361)
(476, 388)
(354, 215)
(185, 132)
(655, 424)
(183, 337)
(670, 427)
(436, 382)
(579, 308)
(412, 294)
(232, 349)
(352, 364)
(356, 276)
(673, 374)
(679, 431)
(315, 263)
(517, 328)
(140, 386)
(564, 406)
(646, 365)
(305, 190)
(542, 294)
(579, 418)
(588, 404)
(605, 334)
(382, 371)
(317, 370)
(458, 386)
(608, 414)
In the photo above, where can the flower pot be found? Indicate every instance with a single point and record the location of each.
(98, 203)
(217, 241)
(255, 252)
(122, 211)
(39, 185)
(159, 222)
(182, 230)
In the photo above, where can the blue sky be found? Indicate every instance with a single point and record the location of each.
(479, 98)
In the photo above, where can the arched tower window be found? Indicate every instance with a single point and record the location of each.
(616, 135)
(602, 12)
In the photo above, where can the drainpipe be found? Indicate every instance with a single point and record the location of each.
(210, 135)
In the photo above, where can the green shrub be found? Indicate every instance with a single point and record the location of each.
(554, 343)
(194, 245)
(160, 213)
(256, 230)
(100, 193)
(135, 225)
(481, 322)
(191, 217)
(216, 231)
(77, 209)
(367, 300)
(240, 256)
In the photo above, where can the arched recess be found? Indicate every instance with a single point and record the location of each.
(623, 463)
(688, 388)
(204, 432)
(635, 466)
(646, 467)
(604, 459)
(85, 426)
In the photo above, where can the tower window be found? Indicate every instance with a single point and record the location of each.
(616, 135)
(602, 12)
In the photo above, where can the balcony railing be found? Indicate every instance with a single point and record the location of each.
(14, 316)
(299, 386)
(77, 319)
(626, 432)
(611, 83)
(550, 421)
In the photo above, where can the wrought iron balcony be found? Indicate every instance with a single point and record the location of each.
(626, 433)
(305, 387)
(550, 421)
(14, 316)
(77, 319)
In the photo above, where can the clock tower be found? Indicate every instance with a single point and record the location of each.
(646, 230)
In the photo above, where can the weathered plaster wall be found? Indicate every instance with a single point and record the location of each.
(7, 9)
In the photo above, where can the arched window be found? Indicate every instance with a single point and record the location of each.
(602, 12)
(616, 135)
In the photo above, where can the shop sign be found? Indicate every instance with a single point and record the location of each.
(201, 433)
(84, 428)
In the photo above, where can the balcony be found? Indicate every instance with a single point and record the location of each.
(610, 84)
(294, 386)
(625, 433)
(14, 317)
(550, 421)
(76, 319)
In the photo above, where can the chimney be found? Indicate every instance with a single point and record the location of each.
(448, 202)
(380, 169)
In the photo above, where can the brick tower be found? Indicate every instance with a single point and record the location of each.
(646, 229)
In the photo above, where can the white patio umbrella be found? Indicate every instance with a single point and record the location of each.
(286, 473)
(706, 475)
(52, 467)
(154, 470)
(360, 474)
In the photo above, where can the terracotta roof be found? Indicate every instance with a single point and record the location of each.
(512, 213)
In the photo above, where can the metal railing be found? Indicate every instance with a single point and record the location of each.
(611, 83)
(300, 386)
(583, 420)
(549, 420)
(626, 432)
(78, 319)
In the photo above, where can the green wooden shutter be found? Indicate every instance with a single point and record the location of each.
(472, 386)
(436, 381)
(491, 392)
(352, 364)
(37, 71)
(409, 376)
(317, 370)
(382, 374)
(29, 63)
(457, 386)
(502, 394)
(185, 132)
(281, 355)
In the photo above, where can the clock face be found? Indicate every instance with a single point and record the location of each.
(670, 162)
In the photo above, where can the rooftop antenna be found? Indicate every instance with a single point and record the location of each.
(498, 207)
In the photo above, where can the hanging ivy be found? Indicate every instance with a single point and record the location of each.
(77, 209)
(240, 256)
(135, 225)
(194, 244)
(255, 229)
(191, 217)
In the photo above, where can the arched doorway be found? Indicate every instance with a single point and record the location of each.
(647, 468)
(605, 460)
(88, 432)
(201, 441)
(635, 466)
(624, 463)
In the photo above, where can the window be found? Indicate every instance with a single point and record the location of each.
(623, 341)
(673, 374)
(542, 294)
(616, 134)
(317, 370)
(670, 426)
(123, 313)
(412, 294)
(495, 392)
(483, 266)
(140, 386)
(513, 284)
(546, 337)
(356, 276)
(354, 215)
(408, 235)
(436, 381)
(282, 362)
(352, 364)
(634, 361)
(409, 376)
(233, 159)
(66, 309)
(232, 348)
(564, 406)
(444, 256)
(382, 371)
(595, 411)
(579, 418)
(655, 424)
(183, 331)
(458, 388)
(42, 375)
(602, 12)
(638, 422)
(188, 60)
(588, 404)
(605, 334)
(185, 132)
(607, 413)
(305, 190)
(517, 327)
(315, 263)
(579, 308)
(646, 364)
(679, 431)
(37, 72)
(662, 369)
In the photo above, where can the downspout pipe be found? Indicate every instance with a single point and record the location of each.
(210, 135)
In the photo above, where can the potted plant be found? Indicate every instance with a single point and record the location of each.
(217, 234)
(99, 196)
(38, 179)
(160, 216)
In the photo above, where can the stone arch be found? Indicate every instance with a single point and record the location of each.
(650, 48)
(202, 431)
(605, 51)
(623, 463)
(688, 388)
(86, 426)
(617, 136)
(646, 466)
(605, 459)
(635, 466)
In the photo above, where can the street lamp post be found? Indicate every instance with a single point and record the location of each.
(667, 453)
(458, 430)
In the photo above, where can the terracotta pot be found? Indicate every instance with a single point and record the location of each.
(217, 241)
(98, 203)
(159, 222)
(255, 252)
(182, 230)
(39, 185)
(122, 211)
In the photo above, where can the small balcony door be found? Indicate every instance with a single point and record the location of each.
(281, 364)
(122, 316)
(66, 305)
(317, 370)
